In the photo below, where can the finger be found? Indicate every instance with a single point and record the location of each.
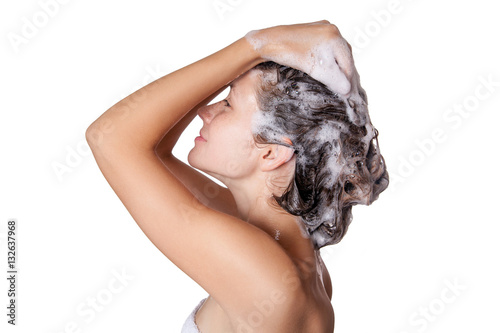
(343, 56)
(350, 47)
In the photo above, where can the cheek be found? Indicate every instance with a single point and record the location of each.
(234, 156)
(242, 158)
(233, 132)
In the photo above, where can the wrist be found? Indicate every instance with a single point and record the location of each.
(261, 43)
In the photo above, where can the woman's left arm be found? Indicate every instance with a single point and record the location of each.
(222, 253)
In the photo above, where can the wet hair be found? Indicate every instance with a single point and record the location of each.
(338, 163)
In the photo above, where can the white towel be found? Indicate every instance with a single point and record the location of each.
(190, 325)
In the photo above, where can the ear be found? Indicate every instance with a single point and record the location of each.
(274, 156)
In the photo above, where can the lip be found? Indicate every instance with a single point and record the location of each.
(200, 138)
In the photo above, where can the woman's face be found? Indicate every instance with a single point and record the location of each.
(226, 147)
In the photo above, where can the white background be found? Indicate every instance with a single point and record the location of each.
(419, 61)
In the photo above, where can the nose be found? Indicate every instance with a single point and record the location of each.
(208, 112)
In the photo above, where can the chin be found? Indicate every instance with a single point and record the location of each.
(194, 160)
(191, 159)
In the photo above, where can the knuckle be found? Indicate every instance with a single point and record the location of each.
(334, 29)
(330, 31)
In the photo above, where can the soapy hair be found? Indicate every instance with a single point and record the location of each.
(338, 163)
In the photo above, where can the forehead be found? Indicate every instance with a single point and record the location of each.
(246, 83)
(243, 93)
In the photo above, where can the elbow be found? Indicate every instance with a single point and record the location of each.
(98, 132)
(93, 135)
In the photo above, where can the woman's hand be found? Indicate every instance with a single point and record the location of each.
(316, 48)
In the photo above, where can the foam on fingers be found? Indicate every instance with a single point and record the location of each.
(330, 62)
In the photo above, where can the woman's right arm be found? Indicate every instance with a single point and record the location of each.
(203, 188)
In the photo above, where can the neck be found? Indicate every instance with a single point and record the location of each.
(254, 207)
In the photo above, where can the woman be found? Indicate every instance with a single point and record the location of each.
(294, 154)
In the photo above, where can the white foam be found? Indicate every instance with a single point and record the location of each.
(265, 120)
(325, 69)
(256, 41)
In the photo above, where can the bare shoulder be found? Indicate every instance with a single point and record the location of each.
(316, 307)
(291, 307)
(301, 305)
